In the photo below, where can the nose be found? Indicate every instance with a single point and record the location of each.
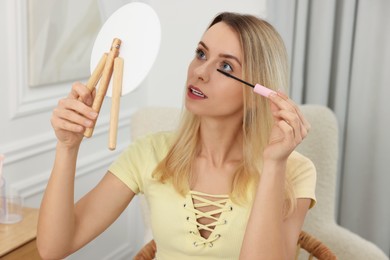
(202, 71)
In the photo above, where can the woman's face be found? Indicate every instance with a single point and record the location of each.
(209, 92)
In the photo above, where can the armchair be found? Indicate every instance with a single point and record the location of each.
(321, 146)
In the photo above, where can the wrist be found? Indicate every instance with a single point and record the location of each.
(275, 165)
(63, 147)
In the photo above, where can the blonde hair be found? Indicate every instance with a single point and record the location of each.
(265, 62)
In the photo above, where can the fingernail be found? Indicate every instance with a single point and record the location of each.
(89, 101)
(93, 114)
(88, 123)
(272, 95)
(282, 93)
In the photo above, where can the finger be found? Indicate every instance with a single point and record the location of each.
(306, 124)
(283, 102)
(81, 92)
(77, 106)
(289, 133)
(274, 108)
(282, 94)
(294, 121)
(61, 124)
(74, 91)
(296, 108)
(73, 117)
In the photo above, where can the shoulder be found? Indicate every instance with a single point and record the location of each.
(300, 167)
(150, 147)
(159, 140)
(303, 176)
(298, 161)
(136, 163)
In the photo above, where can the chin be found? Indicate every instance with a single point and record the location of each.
(191, 107)
(202, 110)
(196, 109)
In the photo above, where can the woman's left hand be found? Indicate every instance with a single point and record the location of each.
(289, 129)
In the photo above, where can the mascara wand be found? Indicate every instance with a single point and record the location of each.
(259, 89)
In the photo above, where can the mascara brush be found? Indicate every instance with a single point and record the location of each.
(259, 89)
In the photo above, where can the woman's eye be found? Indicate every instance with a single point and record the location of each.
(226, 67)
(200, 54)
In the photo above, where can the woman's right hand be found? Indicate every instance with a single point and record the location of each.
(73, 115)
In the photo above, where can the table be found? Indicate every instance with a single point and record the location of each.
(18, 241)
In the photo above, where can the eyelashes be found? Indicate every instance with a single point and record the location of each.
(224, 65)
(200, 54)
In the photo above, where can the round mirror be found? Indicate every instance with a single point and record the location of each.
(138, 27)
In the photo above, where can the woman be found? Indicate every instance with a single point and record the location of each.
(226, 185)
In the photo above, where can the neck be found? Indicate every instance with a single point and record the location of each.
(221, 142)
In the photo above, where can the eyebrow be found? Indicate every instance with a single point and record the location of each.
(228, 56)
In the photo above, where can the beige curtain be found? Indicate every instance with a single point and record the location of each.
(340, 57)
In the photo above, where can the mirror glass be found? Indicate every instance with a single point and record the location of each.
(138, 27)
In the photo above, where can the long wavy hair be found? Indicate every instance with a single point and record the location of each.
(265, 62)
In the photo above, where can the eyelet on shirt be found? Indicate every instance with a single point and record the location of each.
(211, 244)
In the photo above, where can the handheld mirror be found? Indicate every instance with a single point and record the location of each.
(138, 27)
(133, 33)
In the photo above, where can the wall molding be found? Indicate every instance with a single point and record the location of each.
(36, 185)
(39, 144)
(24, 100)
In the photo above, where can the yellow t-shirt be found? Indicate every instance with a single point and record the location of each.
(173, 217)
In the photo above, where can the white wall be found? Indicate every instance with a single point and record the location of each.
(28, 142)
(183, 23)
(26, 137)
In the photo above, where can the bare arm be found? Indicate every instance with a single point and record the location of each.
(269, 235)
(64, 227)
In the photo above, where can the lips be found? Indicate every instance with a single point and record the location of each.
(195, 92)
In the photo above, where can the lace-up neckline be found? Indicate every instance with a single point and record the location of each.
(207, 213)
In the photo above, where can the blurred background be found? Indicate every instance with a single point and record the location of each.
(339, 53)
